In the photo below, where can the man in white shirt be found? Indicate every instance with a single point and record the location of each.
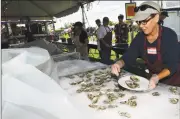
(104, 35)
(98, 23)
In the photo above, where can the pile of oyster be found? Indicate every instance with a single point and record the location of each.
(94, 84)
(133, 82)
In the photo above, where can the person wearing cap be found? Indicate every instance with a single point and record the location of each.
(80, 39)
(163, 15)
(104, 35)
(156, 45)
(121, 32)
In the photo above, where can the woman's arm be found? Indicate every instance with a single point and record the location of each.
(170, 56)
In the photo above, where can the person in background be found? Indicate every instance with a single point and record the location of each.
(156, 45)
(28, 34)
(80, 39)
(104, 35)
(121, 32)
(98, 23)
(163, 16)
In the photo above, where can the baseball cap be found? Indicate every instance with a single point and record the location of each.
(145, 10)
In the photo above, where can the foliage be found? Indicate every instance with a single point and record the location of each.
(111, 23)
(68, 25)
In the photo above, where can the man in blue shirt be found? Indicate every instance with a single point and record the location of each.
(157, 45)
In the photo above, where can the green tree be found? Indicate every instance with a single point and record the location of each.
(111, 23)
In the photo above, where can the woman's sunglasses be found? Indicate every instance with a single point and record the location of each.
(143, 8)
(144, 22)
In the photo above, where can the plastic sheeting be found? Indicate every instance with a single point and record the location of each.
(38, 57)
(25, 93)
(28, 93)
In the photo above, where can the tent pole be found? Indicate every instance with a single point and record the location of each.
(53, 25)
(131, 31)
(83, 12)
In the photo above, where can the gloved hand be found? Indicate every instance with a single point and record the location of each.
(153, 81)
(116, 68)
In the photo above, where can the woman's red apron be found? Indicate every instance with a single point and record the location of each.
(157, 66)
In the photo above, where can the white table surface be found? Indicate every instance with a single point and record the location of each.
(148, 106)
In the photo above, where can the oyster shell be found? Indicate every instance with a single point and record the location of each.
(90, 96)
(111, 96)
(97, 89)
(125, 114)
(173, 90)
(174, 100)
(134, 78)
(86, 84)
(99, 83)
(124, 102)
(89, 89)
(133, 98)
(112, 106)
(106, 101)
(87, 80)
(88, 75)
(93, 106)
(81, 75)
(117, 90)
(79, 90)
(109, 90)
(156, 94)
(121, 95)
(132, 103)
(73, 83)
(95, 100)
(132, 84)
(101, 107)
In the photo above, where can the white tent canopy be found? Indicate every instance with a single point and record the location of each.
(44, 10)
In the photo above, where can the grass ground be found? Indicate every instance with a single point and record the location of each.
(94, 53)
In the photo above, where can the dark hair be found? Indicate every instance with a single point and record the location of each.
(80, 24)
(105, 19)
(98, 20)
(121, 16)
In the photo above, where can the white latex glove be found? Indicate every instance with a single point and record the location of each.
(116, 68)
(153, 81)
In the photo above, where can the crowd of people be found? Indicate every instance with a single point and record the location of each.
(104, 36)
(157, 45)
